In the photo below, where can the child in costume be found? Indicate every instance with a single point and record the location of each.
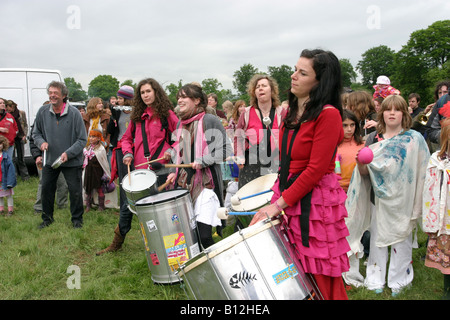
(436, 203)
(96, 170)
(383, 88)
(396, 175)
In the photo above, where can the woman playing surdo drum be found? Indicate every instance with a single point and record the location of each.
(202, 143)
(307, 189)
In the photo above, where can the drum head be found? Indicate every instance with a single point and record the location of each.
(162, 197)
(260, 184)
(140, 180)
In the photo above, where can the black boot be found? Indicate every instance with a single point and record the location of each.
(446, 295)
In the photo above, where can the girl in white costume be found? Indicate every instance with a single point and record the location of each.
(396, 176)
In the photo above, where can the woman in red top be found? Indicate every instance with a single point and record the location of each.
(307, 189)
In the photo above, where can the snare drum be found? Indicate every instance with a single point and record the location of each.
(256, 263)
(168, 226)
(255, 186)
(138, 185)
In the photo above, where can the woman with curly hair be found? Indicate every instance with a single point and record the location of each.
(154, 112)
(147, 137)
(256, 136)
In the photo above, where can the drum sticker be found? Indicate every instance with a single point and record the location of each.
(176, 250)
(151, 226)
(144, 237)
(241, 279)
(154, 258)
(288, 273)
(175, 219)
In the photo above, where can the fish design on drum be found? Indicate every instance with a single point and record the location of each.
(241, 278)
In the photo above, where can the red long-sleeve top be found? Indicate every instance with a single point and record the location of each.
(312, 152)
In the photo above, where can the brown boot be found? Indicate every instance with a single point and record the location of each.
(101, 203)
(88, 203)
(116, 243)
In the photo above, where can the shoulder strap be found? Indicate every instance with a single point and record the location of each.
(246, 116)
(144, 140)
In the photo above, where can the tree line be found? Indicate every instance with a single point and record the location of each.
(416, 67)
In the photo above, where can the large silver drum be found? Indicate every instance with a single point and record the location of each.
(255, 263)
(168, 226)
(138, 185)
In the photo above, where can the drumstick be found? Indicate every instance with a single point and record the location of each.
(223, 213)
(148, 162)
(158, 165)
(161, 187)
(129, 175)
(236, 200)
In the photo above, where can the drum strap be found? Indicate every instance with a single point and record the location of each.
(145, 143)
(305, 202)
(267, 131)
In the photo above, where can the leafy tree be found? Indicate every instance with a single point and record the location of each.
(375, 62)
(76, 92)
(282, 75)
(424, 60)
(172, 90)
(103, 86)
(242, 77)
(129, 82)
(432, 44)
(212, 85)
(348, 73)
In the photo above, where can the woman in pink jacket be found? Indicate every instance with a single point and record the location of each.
(154, 112)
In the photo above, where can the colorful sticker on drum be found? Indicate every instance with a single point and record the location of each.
(144, 237)
(151, 226)
(154, 258)
(176, 250)
(175, 219)
(288, 273)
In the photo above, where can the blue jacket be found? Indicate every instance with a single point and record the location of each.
(8, 172)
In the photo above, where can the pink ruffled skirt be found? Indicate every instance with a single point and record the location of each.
(328, 246)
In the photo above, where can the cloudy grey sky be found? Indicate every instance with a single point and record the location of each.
(193, 40)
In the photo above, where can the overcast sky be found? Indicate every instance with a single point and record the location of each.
(193, 40)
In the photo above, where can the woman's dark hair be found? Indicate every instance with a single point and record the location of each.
(328, 90)
(347, 114)
(194, 91)
(161, 105)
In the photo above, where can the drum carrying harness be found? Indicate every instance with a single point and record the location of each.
(283, 173)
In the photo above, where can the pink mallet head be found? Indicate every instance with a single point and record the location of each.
(365, 155)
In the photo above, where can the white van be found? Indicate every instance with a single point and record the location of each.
(27, 88)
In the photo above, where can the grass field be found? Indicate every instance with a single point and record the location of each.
(41, 264)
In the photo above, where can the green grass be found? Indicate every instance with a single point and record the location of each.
(34, 263)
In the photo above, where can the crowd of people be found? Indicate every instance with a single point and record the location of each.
(338, 208)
